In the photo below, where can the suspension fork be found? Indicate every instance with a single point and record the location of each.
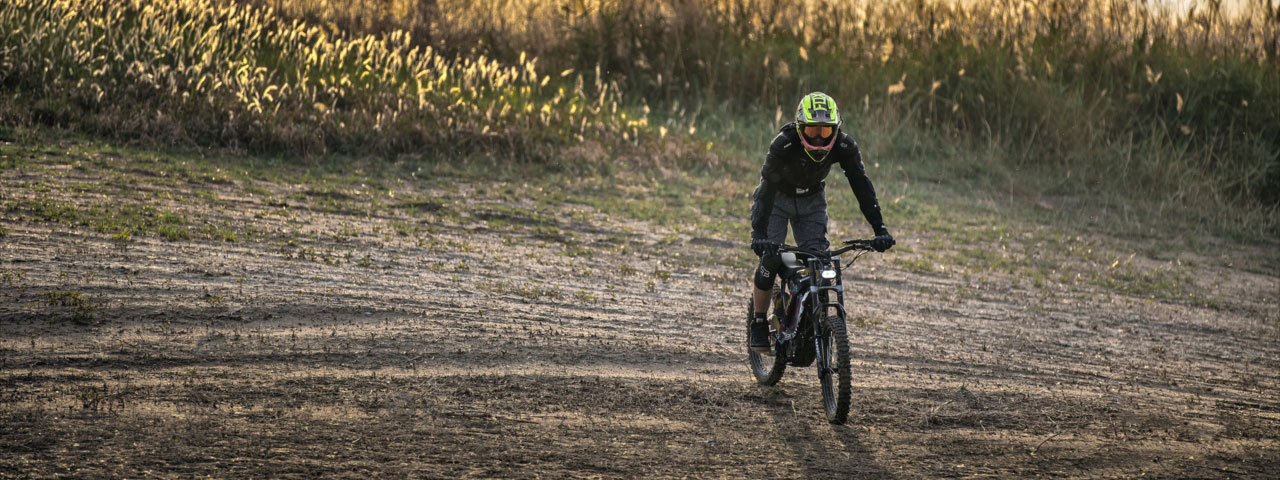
(821, 293)
(822, 304)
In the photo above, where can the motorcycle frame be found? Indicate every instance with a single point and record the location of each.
(806, 303)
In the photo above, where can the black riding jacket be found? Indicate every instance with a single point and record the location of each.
(789, 170)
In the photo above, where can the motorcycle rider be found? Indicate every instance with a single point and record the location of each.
(791, 191)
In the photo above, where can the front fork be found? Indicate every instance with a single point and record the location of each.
(823, 309)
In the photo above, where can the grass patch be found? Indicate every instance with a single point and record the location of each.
(528, 291)
(578, 250)
(916, 265)
(406, 229)
(1161, 283)
(219, 234)
(863, 322)
(81, 308)
(12, 276)
(104, 218)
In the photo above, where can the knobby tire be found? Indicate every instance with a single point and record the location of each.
(835, 397)
(765, 373)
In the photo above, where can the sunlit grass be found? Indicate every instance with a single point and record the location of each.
(1113, 106)
(211, 73)
(1171, 103)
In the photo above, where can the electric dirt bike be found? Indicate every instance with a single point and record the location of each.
(807, 325)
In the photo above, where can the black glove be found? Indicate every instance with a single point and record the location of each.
(883, 242)
(763, 247)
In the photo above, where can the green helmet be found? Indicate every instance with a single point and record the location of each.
(817, 121)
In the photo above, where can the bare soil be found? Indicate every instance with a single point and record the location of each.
(487, 351)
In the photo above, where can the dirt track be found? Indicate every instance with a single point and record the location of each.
(457, 353)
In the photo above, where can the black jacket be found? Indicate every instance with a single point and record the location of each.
(788, 169)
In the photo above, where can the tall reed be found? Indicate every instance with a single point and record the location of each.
(1127, 96)
(211, 73)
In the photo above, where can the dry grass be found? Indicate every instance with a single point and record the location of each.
(1178, 109)
(207, 73)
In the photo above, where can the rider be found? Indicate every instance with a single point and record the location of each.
(791, 191)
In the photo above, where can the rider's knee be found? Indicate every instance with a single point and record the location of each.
(764, 278)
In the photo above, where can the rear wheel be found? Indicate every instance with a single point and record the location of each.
(833, 368)
(767, 370)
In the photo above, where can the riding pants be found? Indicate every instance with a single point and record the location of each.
(807, 216)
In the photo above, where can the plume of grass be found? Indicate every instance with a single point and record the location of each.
(211, 73)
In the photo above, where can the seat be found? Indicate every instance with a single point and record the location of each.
(790, 264)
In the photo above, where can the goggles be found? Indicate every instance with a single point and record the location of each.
(818, 131)
(817, 138)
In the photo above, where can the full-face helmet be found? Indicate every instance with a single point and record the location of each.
(817, 122)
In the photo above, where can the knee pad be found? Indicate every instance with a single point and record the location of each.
(767, 271)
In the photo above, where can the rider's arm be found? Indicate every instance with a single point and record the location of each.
(762, 205)
(861, 185)
(762, 208)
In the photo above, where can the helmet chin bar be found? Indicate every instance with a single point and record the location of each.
(809, 149)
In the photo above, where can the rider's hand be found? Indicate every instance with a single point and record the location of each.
(763, 247)
(883, 241)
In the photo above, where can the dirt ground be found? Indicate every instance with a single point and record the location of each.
(482, 352)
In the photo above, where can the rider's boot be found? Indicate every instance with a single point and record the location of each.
(759, 340)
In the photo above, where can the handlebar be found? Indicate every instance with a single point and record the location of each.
(864, 245)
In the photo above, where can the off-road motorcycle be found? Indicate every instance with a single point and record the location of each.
(806, 325)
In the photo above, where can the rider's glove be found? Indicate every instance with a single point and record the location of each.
(763, 247)
(883, 241)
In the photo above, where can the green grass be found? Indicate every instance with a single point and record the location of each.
(104, 217)
(575, 250)
(1163, 283)
(12, 276)
(406, 229)
(82, 308)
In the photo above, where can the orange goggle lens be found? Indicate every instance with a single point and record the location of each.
(816, 131)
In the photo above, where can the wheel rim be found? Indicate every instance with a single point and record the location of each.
(835, 377)
(825, 372)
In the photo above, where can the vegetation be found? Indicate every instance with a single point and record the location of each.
(202, 73)
(1177, 105)
(679, 225)
(1109, 108)
(121, 220)
(80, 307)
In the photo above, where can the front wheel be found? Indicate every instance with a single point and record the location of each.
(833, 368)
(767, 371)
